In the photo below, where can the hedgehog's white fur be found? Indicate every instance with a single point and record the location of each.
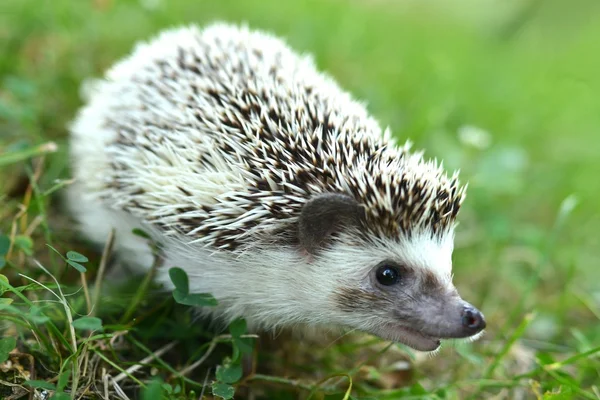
(192, 138)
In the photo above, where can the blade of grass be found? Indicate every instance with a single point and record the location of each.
(142, 363)
(281, 381)
(140, 294)
(50, 325)
(163, 363)
(566, 208)
(101, 270)
(508, 345)
(560, 364)
(574, 388)
(572, 360)
(25, 154)
(57, 186)
(483, 383)
(100, 354)
(322, 381)
(86, 293)
(67, 309)
(42, 212)
(14, 320)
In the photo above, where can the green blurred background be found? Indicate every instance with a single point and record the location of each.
(507, 91)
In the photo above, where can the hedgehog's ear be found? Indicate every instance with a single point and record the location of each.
(324, 213)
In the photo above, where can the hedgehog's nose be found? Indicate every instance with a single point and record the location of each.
(472, 319)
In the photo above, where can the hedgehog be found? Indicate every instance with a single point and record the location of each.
(271, 187)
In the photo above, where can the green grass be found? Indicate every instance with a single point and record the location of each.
(521, 77)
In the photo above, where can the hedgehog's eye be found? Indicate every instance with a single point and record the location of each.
(387, 275)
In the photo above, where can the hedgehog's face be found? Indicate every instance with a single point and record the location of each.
(402, 291)
(397, 288)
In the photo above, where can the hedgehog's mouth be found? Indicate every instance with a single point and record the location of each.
(409, 337)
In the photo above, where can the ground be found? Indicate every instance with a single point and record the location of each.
(505, 91)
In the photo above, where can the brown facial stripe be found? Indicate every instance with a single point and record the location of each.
(352, 300)
(430, 284)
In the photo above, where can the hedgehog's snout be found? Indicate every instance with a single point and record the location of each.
(472, 319)
(458, 319)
